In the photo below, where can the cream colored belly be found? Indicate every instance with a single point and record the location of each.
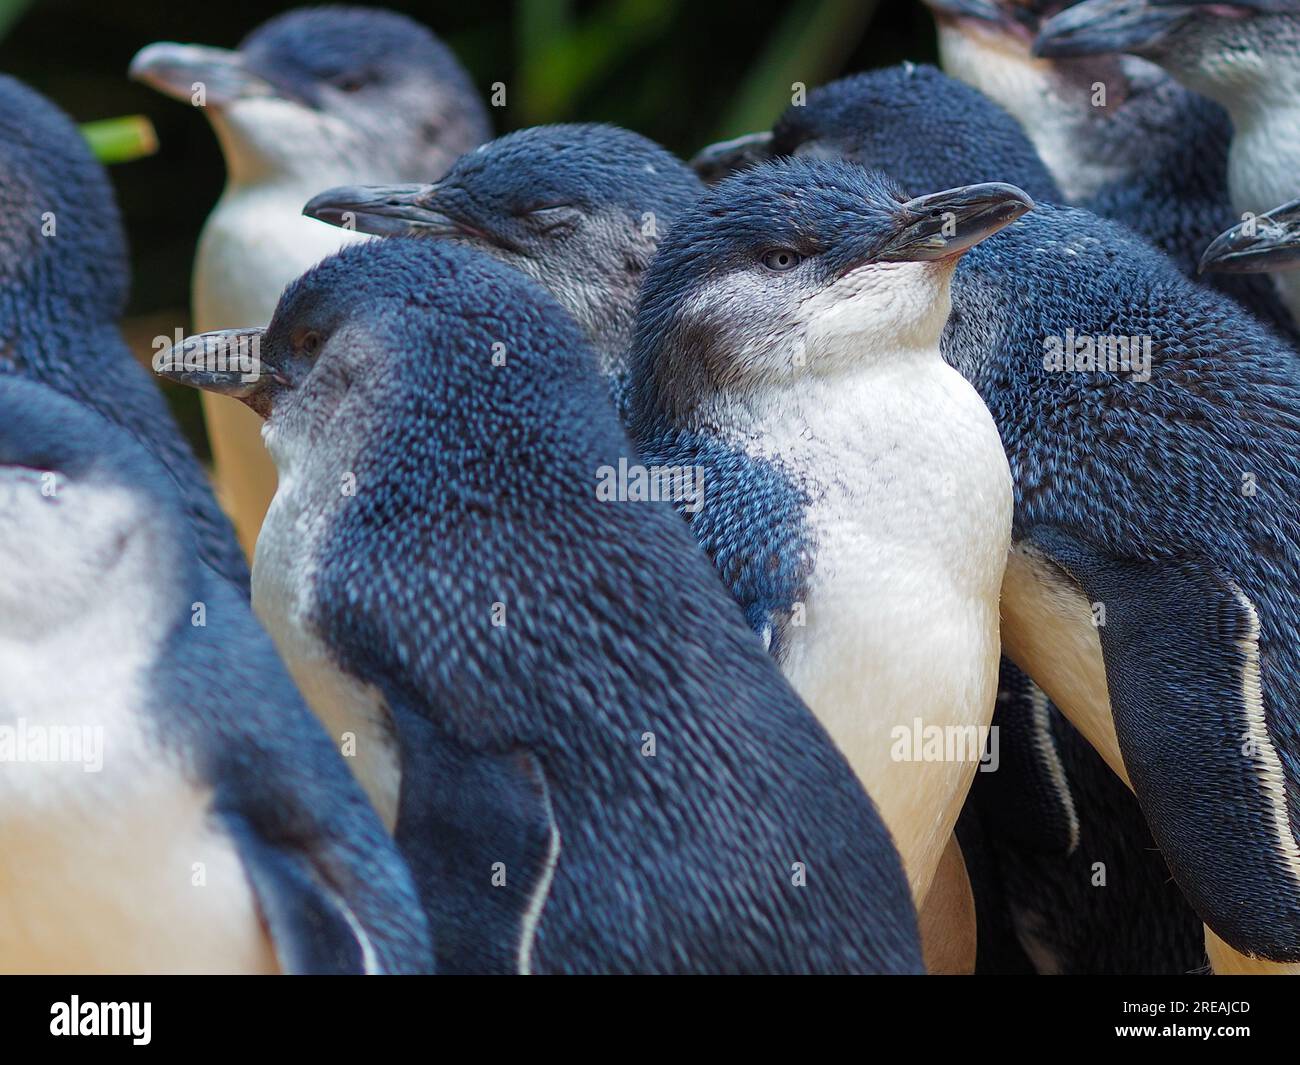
(1047, 631)
(867, 675)
(125, 875)
(358, 722)
(355, 716)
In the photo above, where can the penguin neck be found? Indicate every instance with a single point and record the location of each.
(1053, 100)
(300, 159)
(1257, 80)
(1265, 153)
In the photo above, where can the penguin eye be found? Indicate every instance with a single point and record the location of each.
(308, 342)
(352, 82)
(551, 216)
(779, 260)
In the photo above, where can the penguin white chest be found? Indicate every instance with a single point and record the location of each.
(112, 862)
(253, 244)
(1264, 157)
(910, 525)
(354, 714)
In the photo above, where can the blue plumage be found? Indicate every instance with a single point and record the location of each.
(332, 891)
(951, 130)
(63, 287)
(477, 485)
(1150, 476)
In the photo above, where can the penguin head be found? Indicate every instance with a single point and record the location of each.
(1265, 243)
(578, 208)
(357, 336)
(1209, 46)
(83, 508)
(62, 248)
(920, 126)
(800, 267)
(327, 92)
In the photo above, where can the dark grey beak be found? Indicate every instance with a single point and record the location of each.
(384, 210)
(945, 224)
(1100, 27)
(1265, 243)
(225, 361)
(179, 69)
(724, 158)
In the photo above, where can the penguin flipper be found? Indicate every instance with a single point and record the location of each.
(1181, 646)
(310, 926)
(477, 829)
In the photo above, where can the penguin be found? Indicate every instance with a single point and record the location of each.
(579, 208)
(192, 815)
(1148, 589)
(788, 343)
(591, 763)
(1120, 136)
(1087, 140)
(63, 289)
(1245, 56)
(315, 97)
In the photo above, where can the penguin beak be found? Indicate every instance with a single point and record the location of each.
(227, 362)
(719, 160)
(1267, 242)
(385, 210)
(179, 70)
(1099, 27)
(945, 224)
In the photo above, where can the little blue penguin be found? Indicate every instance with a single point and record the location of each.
(63, 288)
(788, 344)
(167, 801)
(1149, 507)
(1120, 136)
(315, 97)
(1151, 428)
(1244, 55)
(1036, 817)
(590, 761)
(579, 208)
(1087, 139)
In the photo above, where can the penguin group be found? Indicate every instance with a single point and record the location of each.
(872, 546)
